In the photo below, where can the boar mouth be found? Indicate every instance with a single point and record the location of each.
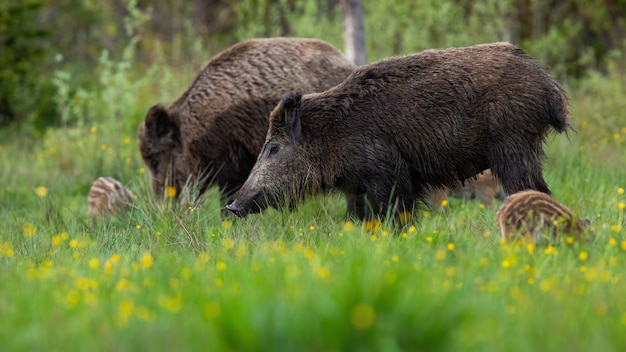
(257, 204)
(243, 210)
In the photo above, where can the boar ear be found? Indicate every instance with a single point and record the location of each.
(160, 124)
(291, 109)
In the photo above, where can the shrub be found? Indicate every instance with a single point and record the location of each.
(26, 93)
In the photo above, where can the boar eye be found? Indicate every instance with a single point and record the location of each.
(273, 150)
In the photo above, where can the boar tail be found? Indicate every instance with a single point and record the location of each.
(558, 112)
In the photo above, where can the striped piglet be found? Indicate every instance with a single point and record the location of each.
(108, 196)
(538, 215)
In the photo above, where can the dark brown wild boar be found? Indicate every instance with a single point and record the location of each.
(214, 131)
(401, 127)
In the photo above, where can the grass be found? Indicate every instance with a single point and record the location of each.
(170, 276)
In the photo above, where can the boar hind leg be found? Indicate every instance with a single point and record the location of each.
(356, 206)
(537, 171)
(518, 168)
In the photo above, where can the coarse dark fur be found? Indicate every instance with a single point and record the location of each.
(538, 215)
(399, 128)
(214, 131)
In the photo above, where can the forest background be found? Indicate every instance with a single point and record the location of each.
(52, 50)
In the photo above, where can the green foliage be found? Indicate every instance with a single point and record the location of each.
(25, 93)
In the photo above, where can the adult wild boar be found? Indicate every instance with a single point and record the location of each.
(214, 131)
(398, 128)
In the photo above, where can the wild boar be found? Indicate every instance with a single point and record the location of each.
(107, 196)
(483, 187)
(538, 215)
(401, 127)
(213, 133)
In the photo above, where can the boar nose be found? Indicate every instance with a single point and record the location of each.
(236, 209)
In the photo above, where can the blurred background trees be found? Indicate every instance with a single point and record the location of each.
(37, 37)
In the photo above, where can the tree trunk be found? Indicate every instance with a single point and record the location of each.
(354, 31)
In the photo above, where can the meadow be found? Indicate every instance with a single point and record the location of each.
(178, 276)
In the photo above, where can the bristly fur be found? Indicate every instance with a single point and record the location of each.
(538, 215)
(108, 196)
(398, 128)
(217, 127)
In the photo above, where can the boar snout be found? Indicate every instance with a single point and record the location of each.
(236, 209)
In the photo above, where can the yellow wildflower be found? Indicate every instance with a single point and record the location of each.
(363, 316)
(56, 240)
(6, 250)
(171, 304)
(41, 191)
(440, 255)
(229, 243)
(147, 261)
(29, 230)
(372, 225)
(108, 267)
(170, 192)
(145, 314)
(323, 272)
(212, 310)
(583, 256)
